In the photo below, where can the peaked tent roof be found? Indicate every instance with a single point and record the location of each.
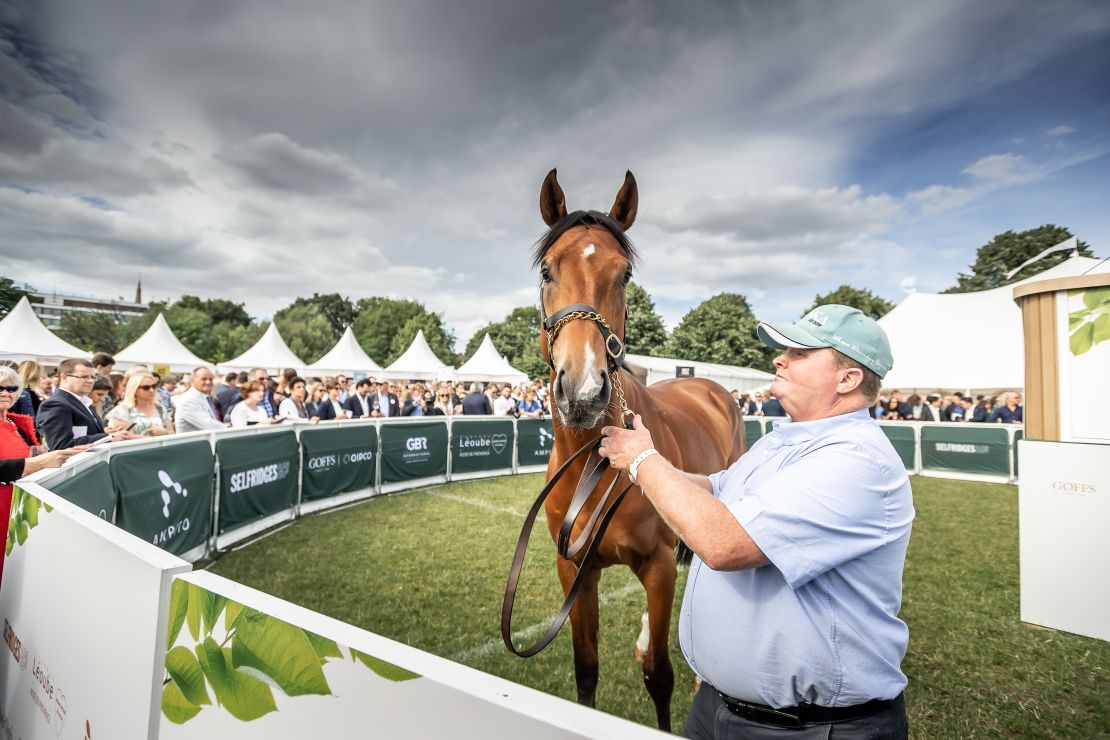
(347, 356)
(487, 364)
(159, 346)
(654, 369)
(270, 352)
(418, 361)
(965, 341)
(23, 337)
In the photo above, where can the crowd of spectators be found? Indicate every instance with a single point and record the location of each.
(85, 401)
(1004, 408)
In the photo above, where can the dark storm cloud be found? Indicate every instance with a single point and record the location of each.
(402, 145)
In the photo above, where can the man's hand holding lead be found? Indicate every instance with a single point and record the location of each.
(622, 446)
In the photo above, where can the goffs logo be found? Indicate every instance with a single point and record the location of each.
(819, 319)
(416, 443)
(544, 436)
(172, 485)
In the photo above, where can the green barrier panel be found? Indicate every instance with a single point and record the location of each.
(92, 490)
(534, 440)
(1018, 435)
(413, 451)
(903, 441)
(337, 459)
(258, 477)
(165, 494)
(966, 448)
(753, 430)
(481, 445)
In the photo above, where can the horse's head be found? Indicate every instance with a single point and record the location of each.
(585, 262)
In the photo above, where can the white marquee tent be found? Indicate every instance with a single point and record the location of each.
(654, 369)
(23, 337)
(270, 352)
(159, 346)
(487, 364)
(965, 341)
(418, 361)
(346, 357)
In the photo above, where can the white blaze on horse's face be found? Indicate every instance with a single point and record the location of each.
(589, 387)
(590, 249)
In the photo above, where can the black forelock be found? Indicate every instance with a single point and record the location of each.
(584, 218)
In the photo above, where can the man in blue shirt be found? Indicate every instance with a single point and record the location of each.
(790, 615)
(1009, 412)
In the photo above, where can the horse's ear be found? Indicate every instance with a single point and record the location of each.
(628, 199)
(553, 204)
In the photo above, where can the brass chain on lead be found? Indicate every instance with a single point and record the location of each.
(614, 375)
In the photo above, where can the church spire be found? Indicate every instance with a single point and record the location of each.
(139, 290)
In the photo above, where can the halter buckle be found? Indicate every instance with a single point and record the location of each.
(618, 351)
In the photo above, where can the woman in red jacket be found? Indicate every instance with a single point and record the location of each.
(20, 454)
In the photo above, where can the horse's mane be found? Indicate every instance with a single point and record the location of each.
(584, 218)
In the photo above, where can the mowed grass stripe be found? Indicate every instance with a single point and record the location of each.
(431, 572)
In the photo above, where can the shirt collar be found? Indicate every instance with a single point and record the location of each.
(794, 432)
(83, 399)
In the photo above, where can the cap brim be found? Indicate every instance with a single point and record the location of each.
(781, 337)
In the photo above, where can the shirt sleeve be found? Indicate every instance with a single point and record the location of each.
(821, 511)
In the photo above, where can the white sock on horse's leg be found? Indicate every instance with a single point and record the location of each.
(643, 641)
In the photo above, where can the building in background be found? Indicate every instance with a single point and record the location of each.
(50, 306)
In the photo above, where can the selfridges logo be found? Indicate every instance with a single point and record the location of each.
(170, 490)
(480, 445)
(417, 450)
(963, 448)
(259, 476)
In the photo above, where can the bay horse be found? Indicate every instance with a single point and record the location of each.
(586, 258)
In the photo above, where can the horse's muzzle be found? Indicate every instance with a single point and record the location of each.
(578, 409)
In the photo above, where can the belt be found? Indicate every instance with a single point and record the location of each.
(804, 714)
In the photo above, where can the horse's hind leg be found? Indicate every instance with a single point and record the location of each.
(583, 624)
(658, 574)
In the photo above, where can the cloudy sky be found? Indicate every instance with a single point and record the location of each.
(264, 149)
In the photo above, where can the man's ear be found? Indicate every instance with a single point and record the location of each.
(851, 378)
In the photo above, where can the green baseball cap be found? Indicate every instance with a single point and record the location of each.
(843, 328)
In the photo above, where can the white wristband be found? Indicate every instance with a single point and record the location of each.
(639, 459)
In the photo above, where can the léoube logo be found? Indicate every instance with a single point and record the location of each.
(499, 443)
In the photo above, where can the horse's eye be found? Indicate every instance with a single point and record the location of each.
(627, 276)
(545, 275)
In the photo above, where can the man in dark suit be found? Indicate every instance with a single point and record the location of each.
(772, 407)
(475, 402)
(384, 403)
(932, 410)
(227, 394)
(358, 403)
(67, 418)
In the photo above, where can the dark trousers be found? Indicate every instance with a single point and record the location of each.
(710, 719)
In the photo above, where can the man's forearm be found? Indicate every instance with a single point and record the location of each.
(686, 503)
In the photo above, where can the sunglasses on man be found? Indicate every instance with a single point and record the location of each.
(9, 388)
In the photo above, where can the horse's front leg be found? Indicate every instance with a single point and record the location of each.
(657, 574)
(583, 624)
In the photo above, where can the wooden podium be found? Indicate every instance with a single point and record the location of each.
(1064, 460)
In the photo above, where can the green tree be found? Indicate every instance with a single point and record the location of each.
(380, 320)
(1008, 250)
(337, 309)
(306, 330)
(721, 329)
(95, 332)
(229, 340)
(860, 298)
(517, 338)
(645, 333)
(9, 295)
(440, 339)
(219, 309)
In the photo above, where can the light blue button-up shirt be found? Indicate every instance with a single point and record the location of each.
(829, 503)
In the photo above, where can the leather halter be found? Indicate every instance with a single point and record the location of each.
(614, 346)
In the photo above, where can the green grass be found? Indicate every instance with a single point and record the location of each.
(428, 568)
